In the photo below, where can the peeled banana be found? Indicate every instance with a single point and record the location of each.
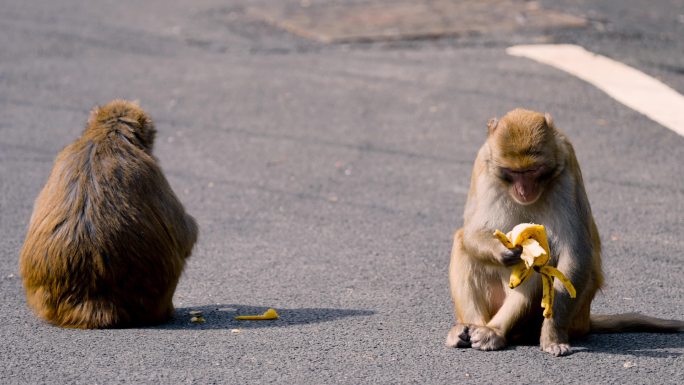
(535, 255)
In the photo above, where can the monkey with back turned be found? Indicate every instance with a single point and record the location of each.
(108, 238)
(527, 171)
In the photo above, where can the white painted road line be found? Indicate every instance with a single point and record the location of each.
(627, 85)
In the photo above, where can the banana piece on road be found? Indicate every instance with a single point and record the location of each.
(269, 314)
(535, 255)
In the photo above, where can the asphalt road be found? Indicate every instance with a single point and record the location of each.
(327, 181)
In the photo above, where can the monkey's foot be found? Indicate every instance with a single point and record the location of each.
(557, 350)
(458, 337)
(484, 338)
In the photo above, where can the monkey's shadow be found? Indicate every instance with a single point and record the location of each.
(654, 345)
(223, 317)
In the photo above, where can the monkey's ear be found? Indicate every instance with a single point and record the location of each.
(491, 124)
(93, 115)
(548, 119)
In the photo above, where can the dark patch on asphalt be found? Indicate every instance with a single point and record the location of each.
(411, 20)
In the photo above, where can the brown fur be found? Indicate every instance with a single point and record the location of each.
(525, 152)
(108, 238)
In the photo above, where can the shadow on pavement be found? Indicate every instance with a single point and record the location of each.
(221, 317)
(654, 345)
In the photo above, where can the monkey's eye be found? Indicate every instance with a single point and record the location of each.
(532, 173)
(546, 173)
(506, 174)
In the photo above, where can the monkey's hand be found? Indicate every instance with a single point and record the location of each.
(531, 239)
(509, 255)
(484, 338)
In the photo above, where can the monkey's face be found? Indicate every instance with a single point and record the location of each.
(523, 154)
(525, 186)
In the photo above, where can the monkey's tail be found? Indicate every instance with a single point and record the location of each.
(633, 323)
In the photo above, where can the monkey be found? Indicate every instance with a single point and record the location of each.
(527, 171)
(108, 238)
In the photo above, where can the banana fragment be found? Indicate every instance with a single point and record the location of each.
(268, 315)
(535, 255)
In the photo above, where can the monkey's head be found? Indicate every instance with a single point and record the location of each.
(525, 153)
(123, 118)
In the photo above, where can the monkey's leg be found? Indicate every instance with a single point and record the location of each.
(554, 334)
(554, 337)
(516, 306)
(468, 285)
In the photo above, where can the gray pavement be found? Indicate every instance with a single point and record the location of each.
(327, 181)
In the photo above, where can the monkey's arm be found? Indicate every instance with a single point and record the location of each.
(516, 306)
(190, 233)
(482, 244)
(180, 227)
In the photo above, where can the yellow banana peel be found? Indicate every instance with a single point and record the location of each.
(535, 255)
(547, 295)
(269, 314)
